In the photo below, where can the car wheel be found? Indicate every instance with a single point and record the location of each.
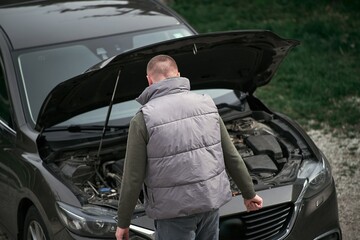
(34, 227)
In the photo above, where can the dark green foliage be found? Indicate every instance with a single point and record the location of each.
(320, 79)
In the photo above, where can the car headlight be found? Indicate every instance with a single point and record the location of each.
(318, 174)
(89, 220)
(95, 221)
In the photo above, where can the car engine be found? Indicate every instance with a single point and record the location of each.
(271, 158)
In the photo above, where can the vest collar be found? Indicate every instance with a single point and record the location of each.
(164, 87)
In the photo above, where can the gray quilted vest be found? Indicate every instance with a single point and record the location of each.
(185, 170)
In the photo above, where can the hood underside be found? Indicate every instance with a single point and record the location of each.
(241, 60)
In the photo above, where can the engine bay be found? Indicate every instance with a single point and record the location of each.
(271, 152)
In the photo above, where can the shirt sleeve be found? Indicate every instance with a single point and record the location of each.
(235, 165)
(134, 170)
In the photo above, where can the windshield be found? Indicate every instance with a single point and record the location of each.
(121, 113)
(42, 69)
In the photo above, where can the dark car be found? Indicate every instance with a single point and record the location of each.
(63, 142)
(43, 43)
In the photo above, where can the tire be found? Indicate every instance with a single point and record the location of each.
(34, 227)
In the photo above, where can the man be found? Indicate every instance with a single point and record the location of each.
(178, 148)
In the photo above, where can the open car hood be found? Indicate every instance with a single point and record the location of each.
(242, 60)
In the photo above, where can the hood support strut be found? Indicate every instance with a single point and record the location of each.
(104, 129)
(108, 114)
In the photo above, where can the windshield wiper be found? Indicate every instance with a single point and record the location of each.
(226, 105)
(80, 128)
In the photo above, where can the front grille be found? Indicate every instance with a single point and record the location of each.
(267, 223)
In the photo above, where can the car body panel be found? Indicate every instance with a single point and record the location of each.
(45, 23)
(282, 195)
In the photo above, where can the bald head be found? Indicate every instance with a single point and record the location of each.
(161, 67)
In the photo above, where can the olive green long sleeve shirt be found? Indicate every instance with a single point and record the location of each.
(135, 168)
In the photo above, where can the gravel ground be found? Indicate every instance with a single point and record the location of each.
(343, 152)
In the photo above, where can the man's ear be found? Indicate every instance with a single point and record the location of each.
(150, 81)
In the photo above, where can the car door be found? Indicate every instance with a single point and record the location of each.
(8, 177)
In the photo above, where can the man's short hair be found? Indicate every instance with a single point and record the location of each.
(162, 65)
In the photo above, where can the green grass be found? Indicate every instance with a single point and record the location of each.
(320, 79)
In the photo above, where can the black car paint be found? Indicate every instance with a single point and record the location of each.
(77, 21)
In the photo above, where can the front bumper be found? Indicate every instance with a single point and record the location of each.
(286, 215)
(314, 218)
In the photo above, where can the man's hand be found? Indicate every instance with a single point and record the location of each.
(253, 204)
(122, 233)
